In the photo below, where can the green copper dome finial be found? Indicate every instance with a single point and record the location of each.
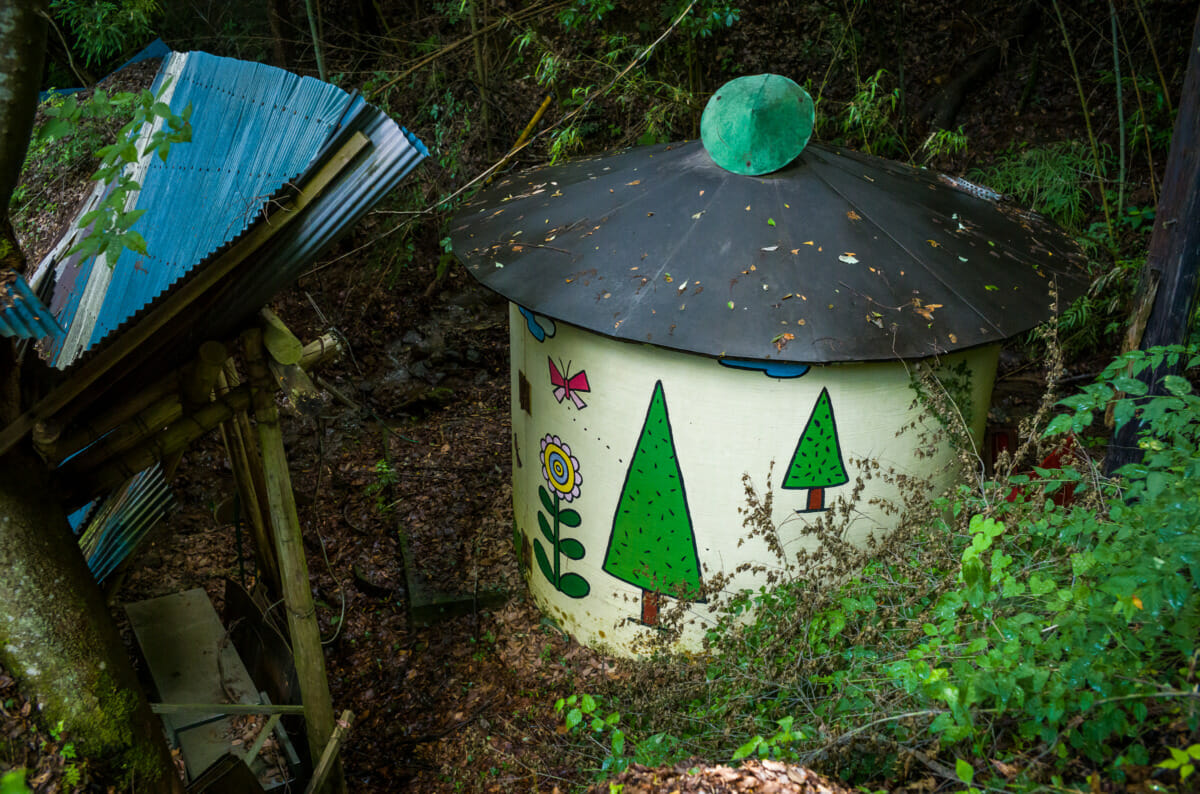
(757, 124)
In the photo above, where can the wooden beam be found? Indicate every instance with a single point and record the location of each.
(293, 567)
(224, 708)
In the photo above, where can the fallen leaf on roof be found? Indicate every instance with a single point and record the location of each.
(925, 310)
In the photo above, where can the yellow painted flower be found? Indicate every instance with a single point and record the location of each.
(560, 469)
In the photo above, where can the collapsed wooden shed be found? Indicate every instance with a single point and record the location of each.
(140, 352)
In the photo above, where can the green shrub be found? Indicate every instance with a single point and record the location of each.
(1052, 179)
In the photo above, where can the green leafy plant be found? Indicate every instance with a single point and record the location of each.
(1052, 179)
(581, 714)
(112, 220)
(106, 28)
(13, 782)
(943, 143)
(1183, 761)
(385, 478)
(1073, 630)
(870, 117)
(776, 746)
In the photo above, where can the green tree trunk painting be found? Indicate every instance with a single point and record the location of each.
(652, 545)
(817, 462)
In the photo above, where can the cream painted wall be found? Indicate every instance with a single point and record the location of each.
(724, 422)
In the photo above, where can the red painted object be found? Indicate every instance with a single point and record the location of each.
(1001, 441)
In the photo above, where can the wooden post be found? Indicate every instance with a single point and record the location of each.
(1173, 261)
(293, 567)
(330, 755)
(247, 475)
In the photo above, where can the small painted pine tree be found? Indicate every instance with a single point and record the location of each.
(817, 462)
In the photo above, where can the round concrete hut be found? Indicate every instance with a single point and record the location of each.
(750, 305)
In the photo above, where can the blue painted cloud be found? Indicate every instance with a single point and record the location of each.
(540, 327)
(772, 369)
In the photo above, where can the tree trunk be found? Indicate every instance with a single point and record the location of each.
(650, 602)
(942, 109)
(59, 641)
(22, 48)
(56, 639)
(283, 33)
(1173, 260)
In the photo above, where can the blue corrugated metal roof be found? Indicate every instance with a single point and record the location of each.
(255, 128)
(22, 315)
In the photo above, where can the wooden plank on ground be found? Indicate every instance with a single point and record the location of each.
(186, 652)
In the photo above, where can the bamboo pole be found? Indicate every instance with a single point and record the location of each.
(224, 708)
(293, 567)
(146, 425)
(127, 425)
(329, 756)
(103, 423)
(85, 484)
(322, 349)
(279, 340)
(198, 385)
(254, 465)
(251, 493)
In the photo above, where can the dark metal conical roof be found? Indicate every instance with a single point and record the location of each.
(839, 256)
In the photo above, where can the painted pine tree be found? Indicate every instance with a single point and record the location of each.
(817, 462)
(652, 545)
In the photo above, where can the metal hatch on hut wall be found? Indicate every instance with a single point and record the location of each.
(812, 274)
